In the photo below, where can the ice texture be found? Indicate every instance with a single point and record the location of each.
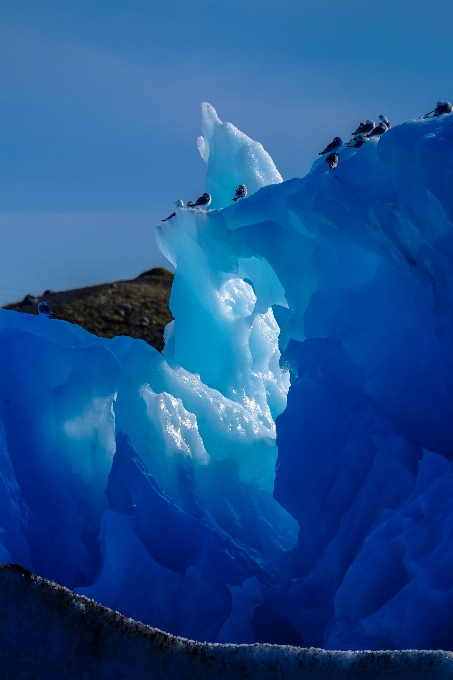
(283, 472)
(232, 159)
(77, 638)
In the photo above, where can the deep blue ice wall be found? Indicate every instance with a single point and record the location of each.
(363, 256)
(192, 491)
(159, 530)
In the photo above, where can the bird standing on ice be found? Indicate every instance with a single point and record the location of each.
(241, 192)
(179, 204)
(201, 202)
(333, 146)
(357, 142)
(378, 131)
(332, 160)
(442, 107)
(364, 128)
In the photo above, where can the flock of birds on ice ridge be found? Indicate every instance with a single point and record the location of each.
(369, 130)
(365, 132)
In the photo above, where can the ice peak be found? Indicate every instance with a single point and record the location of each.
(232, 159)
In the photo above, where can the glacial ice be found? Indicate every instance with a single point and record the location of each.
(285, 467)
(82, 639)
(232, 159)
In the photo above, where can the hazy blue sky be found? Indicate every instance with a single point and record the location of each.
(101, 110)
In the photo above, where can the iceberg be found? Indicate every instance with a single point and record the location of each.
(283, 472)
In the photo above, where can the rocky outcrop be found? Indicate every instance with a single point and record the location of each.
(138, 307)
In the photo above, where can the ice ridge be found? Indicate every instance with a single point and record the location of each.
(284, 471)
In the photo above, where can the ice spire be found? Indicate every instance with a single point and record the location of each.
(232, 159)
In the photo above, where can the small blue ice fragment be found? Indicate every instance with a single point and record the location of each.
(44, 309)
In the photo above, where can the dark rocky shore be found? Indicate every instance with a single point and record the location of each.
(138, 307)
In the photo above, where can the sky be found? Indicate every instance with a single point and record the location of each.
(100, 110)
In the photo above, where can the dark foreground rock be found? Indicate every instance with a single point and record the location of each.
(47, 632)
(138, 307)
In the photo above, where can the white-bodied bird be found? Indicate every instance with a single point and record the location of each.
(364, 128)
(357, 142)
(178, 204)
(378, 131)
(442, 107)
(201, 202)
(333, 146)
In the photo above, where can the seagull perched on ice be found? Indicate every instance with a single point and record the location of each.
(44, 309)
(442, 107)
(201, 202)
(333, 146)
(364, 128)
(386, 121)
(378, 131)
(179, 204)
(241, 192)
(332, 160)
(357, 142)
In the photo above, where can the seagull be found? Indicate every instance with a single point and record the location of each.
(364, 128)
(332, 160)
(386, 121)
(378, 131)
(241, 192)
(179, 204)
(442, 107)
(357, 142)
(44, 309)
(333, 146)
(201, 202)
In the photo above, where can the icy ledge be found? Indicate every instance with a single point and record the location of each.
(62, 635)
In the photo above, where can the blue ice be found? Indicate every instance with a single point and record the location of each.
(283, 472)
